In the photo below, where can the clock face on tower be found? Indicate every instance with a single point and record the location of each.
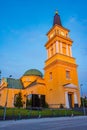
(62, 33)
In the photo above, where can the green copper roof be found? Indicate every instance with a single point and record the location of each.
(14, 83)
(33, 72)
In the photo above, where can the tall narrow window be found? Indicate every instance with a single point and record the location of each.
(67, 74)
(51, 51)
(50, 74)
(15, 97)
(58, 31)
(64, 48)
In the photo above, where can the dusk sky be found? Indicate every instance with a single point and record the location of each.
(23, 28)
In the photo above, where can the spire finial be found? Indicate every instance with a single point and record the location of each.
(56, 12)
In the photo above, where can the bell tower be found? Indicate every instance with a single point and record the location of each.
(60, 68)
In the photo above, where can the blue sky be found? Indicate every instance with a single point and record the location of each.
(23, 28)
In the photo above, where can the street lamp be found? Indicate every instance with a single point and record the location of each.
(4, 116)
(82, 100)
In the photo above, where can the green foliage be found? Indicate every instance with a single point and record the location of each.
(18, 103)
(16, 112)
(83, 102)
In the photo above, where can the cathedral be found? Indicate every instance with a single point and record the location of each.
(59, 83)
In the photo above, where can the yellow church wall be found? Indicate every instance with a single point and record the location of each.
(55, 89)
(36, 89)
(75, 76)
(11, 95)
(8, 94)
(54, 95)
(27, 80)
(60, 57)
(3, 93)
(62, 72)
(41, 80)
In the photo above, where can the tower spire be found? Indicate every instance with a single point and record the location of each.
(57, 19)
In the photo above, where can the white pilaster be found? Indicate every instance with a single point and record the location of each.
(57, 47)
(75, 98)
(67, 100)
(70, 51)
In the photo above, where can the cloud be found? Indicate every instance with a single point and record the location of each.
(72, 20)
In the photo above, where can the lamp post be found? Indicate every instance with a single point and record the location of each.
(82, 100)
(4, 116)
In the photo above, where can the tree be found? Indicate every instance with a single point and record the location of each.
(18, 101)
(84, 101)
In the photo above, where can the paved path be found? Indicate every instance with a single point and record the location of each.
(59, 123)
